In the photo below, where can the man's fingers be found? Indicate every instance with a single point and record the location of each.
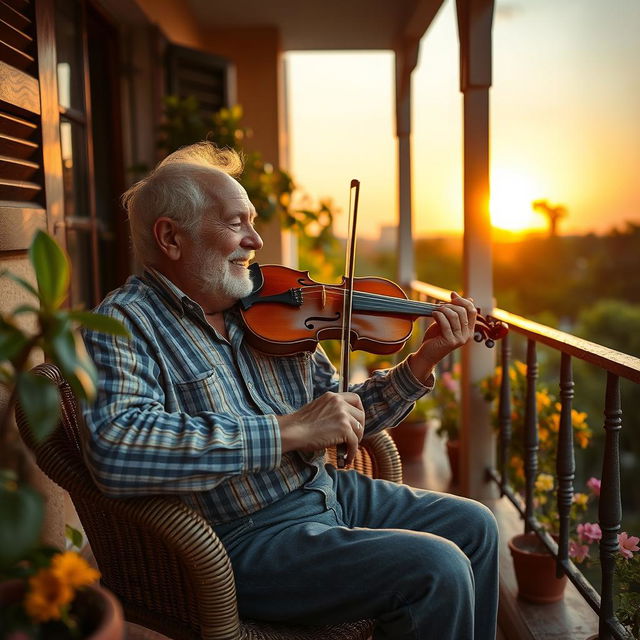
(353, 399)
(352, 447)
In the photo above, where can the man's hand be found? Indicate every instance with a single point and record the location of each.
(453, 326)
(331, 419)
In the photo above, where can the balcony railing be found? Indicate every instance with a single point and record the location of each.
(616, 365)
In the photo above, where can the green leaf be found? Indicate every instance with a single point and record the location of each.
(40, 402)
(99, 322)
(68, 352)
(24, 308)
(21, 514)
(74, 536)
(52, 269)
(12, 341)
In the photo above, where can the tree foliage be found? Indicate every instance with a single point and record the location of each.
(272, 190)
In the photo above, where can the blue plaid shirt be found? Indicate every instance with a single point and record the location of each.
(181, 410)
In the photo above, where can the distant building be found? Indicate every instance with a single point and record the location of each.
(388, 236)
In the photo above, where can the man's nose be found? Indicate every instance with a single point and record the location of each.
(252, 240)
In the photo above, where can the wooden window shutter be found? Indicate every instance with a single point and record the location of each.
(202, 75)
(29, 142)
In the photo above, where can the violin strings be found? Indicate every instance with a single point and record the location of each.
(365, 301)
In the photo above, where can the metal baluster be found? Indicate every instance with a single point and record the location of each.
(610, 506)
(565, 461)
(504, 413)
(530, 432)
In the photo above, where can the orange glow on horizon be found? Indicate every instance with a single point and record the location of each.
(512, 193)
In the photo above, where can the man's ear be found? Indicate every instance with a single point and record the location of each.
(168, 237)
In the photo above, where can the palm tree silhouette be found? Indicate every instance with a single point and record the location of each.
(553, 213)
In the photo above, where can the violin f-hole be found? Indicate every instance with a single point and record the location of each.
(308, 321)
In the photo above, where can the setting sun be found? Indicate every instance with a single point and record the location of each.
(511, 196)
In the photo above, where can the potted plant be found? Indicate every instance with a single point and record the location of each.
(444, 407)
(528, 553)
(583, 550)
(45, 592)
(270, 189)
(411, 434)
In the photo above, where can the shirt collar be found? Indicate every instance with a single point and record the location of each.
(176, 298)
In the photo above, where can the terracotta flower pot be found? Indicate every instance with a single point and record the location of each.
(453, 452)
(535, 570)
(410, 438)
(99, 612)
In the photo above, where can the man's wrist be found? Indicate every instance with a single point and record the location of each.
(421, 369)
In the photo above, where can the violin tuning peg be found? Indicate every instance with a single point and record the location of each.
(478, 337)
(490, 343)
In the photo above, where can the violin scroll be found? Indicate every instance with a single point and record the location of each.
(489, 330)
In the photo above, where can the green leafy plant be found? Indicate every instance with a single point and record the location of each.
(548, 413)
(443, 403)
(422, 410)
(54, 333)
(582, 534)
(584, 550)
(270, 189)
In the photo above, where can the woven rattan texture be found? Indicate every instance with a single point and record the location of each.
(162, 560)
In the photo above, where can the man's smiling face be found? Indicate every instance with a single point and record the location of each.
(225, 243)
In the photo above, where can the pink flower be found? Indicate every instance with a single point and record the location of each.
(578, 551)
(449, 382)
(594, 485)
(628, 544)
(589, 532)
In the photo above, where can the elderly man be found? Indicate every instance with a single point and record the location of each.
(187, 407)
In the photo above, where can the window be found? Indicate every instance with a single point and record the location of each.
(86, 50)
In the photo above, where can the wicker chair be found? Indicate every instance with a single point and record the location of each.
(161, 559)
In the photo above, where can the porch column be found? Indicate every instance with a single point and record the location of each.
(475, 19)
(406, 60)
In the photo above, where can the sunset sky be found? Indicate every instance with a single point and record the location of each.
(565, 120)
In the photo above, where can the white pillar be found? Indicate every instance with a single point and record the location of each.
(475, 19)
(406, 59)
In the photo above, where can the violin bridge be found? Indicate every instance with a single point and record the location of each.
(324, 297)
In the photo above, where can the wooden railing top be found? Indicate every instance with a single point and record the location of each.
(616, 362)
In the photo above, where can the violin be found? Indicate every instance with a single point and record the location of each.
(288, 312)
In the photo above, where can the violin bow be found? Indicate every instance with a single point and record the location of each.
(345, 340)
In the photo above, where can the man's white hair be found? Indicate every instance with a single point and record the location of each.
(175, 189)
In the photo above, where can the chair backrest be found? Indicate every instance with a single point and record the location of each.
(162, 560)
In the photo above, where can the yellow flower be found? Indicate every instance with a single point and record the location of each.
(554, 422)
(518, 466)
(521, 367)
(578, 418)
(47, 595)
(581, 499)
(543, 434)
(583, 438)
(544, 482)
(542, 400)
(73, 569)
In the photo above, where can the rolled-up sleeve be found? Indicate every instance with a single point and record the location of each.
(387, 396)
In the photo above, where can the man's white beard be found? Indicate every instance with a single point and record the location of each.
(216, 277)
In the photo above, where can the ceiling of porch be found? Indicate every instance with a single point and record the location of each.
(327, 24)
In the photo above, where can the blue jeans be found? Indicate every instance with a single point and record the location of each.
(345, 547)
